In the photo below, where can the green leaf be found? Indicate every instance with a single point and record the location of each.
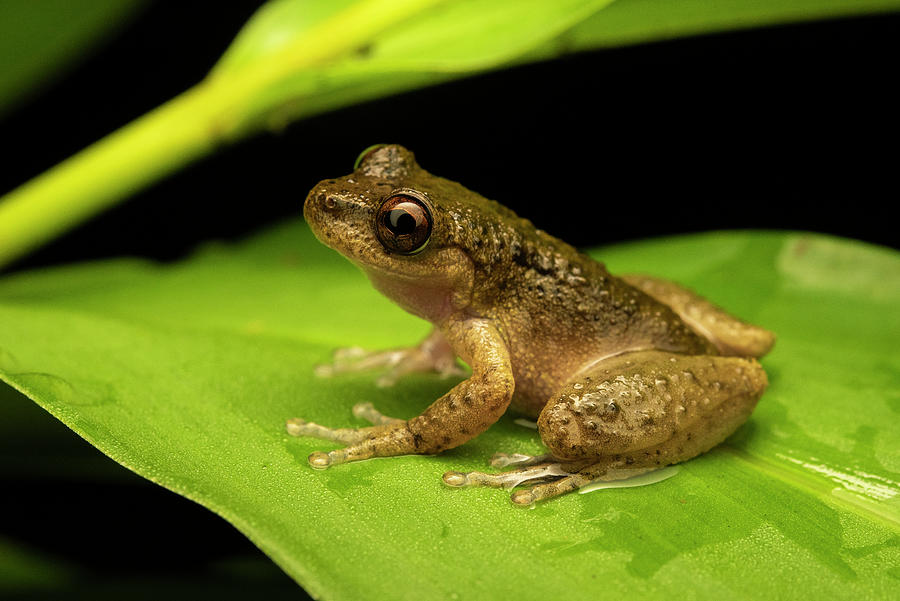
(38, 453)
(185, 374)
(636, 21)
(23, 570)
(447, 41)
(295, 59)
(39, 39)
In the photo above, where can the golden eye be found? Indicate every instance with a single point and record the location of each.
(403, 224)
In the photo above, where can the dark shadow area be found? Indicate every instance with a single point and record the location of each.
(75, 524)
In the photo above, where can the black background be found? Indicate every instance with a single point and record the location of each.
(785, 127)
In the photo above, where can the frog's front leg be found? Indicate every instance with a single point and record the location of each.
(433, 354)
(458, 416)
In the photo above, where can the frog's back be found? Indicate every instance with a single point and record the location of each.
(548, 286)
(559, 309)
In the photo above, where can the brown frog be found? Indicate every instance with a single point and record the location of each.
(623, 374)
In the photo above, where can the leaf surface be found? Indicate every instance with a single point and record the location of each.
(185, 374)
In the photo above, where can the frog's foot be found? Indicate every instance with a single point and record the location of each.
(390, 437)
(386, 436)
(510, 479)
(547, 479)
(368, 412)
(300, 427)
(433, 354)
(598, 472)
(499, 460)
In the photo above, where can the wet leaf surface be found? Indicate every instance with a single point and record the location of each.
(186, 372)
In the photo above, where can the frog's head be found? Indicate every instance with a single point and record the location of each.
(389, 218)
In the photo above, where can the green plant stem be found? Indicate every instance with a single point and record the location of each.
(180, 131)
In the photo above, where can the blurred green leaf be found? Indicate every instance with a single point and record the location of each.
(449, 40)
(22, 570)
(635, 21)
(295, 59)
(185, 374)
(40, 38)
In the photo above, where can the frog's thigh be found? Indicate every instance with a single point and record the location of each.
(728, 333)
(651, 408)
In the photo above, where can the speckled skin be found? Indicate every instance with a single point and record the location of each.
(620, 372)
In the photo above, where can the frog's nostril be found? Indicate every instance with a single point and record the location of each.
(330, 202)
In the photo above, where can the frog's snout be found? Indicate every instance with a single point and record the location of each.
(321, 205)
(323, 200)
(314, 203)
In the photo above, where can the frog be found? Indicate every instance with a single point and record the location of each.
(623, 374)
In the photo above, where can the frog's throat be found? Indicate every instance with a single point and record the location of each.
(434, 296)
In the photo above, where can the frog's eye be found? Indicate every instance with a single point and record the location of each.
(403, 224)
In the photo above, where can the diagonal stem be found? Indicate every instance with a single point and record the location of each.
(224, 106)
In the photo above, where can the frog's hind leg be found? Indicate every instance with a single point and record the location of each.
(641, 411)
(627, 415)
(730, 335)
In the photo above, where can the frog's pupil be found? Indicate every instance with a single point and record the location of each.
(402, 223)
